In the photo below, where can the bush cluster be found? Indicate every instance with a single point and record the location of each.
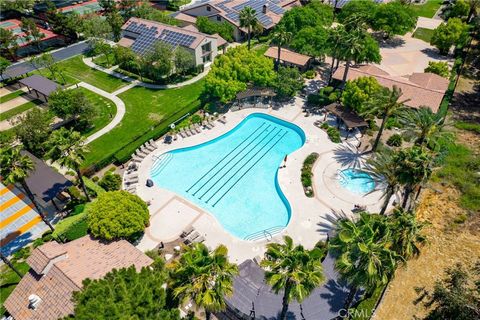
(395, 140)
(307, 174)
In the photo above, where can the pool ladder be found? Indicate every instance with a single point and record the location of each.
(266, 234)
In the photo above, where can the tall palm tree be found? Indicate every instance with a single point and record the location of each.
(424, 124)
(10, 264)
(387, 103)
(14, 168)
(281, 37)
(406, 233)
(293, 269)
(203, 276)
(352, 47)
(248, 19)
(474, 6)
(383, 168)
(68, 148)
(334, 41)
(364, 259)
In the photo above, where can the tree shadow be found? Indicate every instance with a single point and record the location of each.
(389, 43)
(434, 54)
(328, 222)
(466, 105)
(349, 156)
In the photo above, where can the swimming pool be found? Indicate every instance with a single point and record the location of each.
(234, 176)
(356, 181)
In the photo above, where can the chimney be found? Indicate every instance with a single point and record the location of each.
(265, 8)
(33, 301)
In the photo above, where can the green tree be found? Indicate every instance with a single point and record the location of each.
(474, 6)
(146, 11)
(454, 32)
(125, 294)
(4, 64)
(21, 6)
(68, 148)
(124, 57)
(313, 14)
(10, 265)
(385, 105)
(101, 47)
(127, 8)
(406, 233)
(424, 124)
(233, 71)
(359, 92)
(248, 19)
(281, 37)
(68, 25)
(96, 27)
(72, 104)
(364, 9)
(383, 168)
(365, 259)
(159, 62)
(32, 32)
(459, 10)
(312, 41)
(115, 20)
(111, 182)
(441, 68)
(33, 129)
(108, 6)
(457, 296)
(47, 61)
(293, 270)
(334, 46)
(204, 276)
(224, 29)
(393, 18)
(8, 43)
(289, 81)
(117, 215)
(15, 168)
(183, 60)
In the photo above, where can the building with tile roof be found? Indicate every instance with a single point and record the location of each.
(289, 58)
(268, 12)
(141, 35)
(422, 89)
(57, 270)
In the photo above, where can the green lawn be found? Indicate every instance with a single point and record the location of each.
(9, 280)
(105, 111)
(76, 71)
(102, 60)
(427, 9)
(147, 112)
(17, 110)
(423, 34)
(12, 96)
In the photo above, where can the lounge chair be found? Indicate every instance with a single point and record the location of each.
(187, 132)
(131, 180)
(199, 239)
(187, 231)
(152, 143)
(211, 123)
(136, 158)
(140, 154)
(145, 150)
(197, 128)
(191, 237)
(149, 147)
(182, 134)
(192, 131)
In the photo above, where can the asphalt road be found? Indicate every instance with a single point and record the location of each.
(58, 55)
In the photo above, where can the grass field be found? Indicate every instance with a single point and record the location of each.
(12, 96)
(423, 34)
(145, 110)
(76, 71)
(428, 9)
(9, 280)
(17, 110)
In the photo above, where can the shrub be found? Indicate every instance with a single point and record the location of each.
(111, 181)
(324, 126)
(395, 140)
(310, 74)
(92, 188)
(37, 243)
(95, 179)
(196, 119)
(72, 227)
(334, 134)
(74, 192)
(21, 254)
(440, 68)
(117, 215)
(307, 174)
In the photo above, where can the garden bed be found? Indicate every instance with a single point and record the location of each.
(307, 174)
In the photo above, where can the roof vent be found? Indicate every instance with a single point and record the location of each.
(33, 301)
(265, 8)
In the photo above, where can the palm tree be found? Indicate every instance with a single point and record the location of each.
(248, 19)
(14, 168)
(68, 148)
(352, 47)
(383, 168)
(424, 124)
(281, 37)
(406, 233)
(474, 5)
(386, 104)
(364, 259)
(10, 264)
(203, 276)
(334, 46)
(292, 269)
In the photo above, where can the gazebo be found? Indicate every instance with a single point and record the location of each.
(347, 116)
(255, 98)
(41, 86)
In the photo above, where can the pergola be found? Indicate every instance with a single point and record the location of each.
(347, 116)
(15, 72)
(256, 94)
(41, 86)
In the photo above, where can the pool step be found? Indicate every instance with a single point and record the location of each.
(160, 163)
(264, 234)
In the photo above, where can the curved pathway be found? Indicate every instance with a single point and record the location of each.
(111, 71)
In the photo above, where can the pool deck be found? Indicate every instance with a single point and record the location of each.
(311, 217)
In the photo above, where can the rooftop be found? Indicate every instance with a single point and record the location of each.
(423, 89)
(288, 56)
(40, 84)
(14, 26)
(57, 270)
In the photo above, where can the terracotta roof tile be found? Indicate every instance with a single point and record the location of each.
(288, 56)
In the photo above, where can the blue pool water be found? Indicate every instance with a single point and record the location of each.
(356, 181)
(234, 176)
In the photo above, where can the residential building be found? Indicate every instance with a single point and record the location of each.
(141, 35)
(268, 12)
(58, 270)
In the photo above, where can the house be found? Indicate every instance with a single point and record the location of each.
(421, 89)
(289, 58)
(268, 12)
(141, 35)
(58, 270)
